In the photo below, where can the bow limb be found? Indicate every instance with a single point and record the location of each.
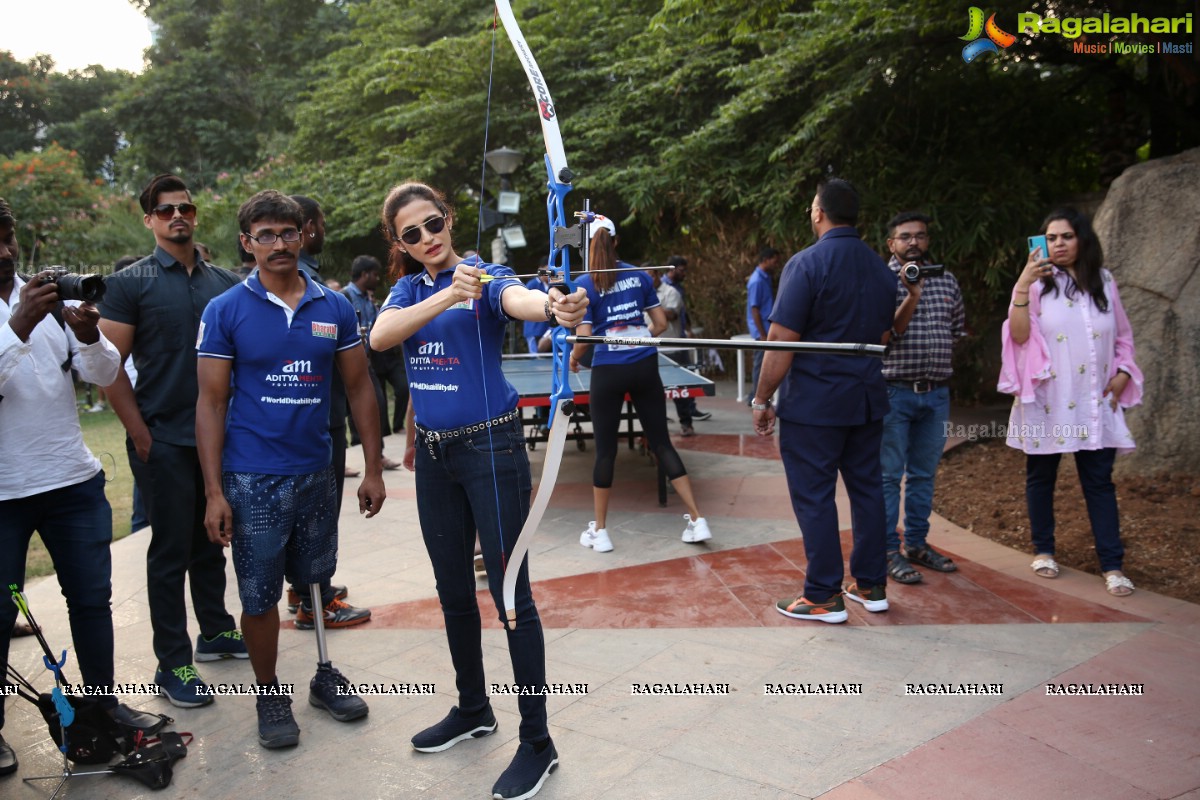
(562, 398)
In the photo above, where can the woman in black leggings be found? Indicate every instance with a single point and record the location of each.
(617, 302)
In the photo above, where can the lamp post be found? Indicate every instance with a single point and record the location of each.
(504, 162)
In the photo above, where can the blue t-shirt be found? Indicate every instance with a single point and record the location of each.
(619, 312)
(838, 290)
(283, 365)
(536, 329)
(759, 295)
(449, 386)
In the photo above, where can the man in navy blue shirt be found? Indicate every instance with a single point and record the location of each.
(831, 407)
(268, 349)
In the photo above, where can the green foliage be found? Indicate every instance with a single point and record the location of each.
(53, 202)
(38, 105)
(224, 81)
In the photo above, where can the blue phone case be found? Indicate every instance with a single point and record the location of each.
(1039, 241)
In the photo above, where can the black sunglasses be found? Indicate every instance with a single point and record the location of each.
(434, 225)
(166, 211)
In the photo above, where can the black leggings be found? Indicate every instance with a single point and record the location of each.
(640, 380)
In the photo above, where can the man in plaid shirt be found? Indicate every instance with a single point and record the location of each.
(929, 318)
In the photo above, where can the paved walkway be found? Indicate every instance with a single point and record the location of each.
(658, 611)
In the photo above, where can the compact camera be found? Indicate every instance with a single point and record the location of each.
(85, 288)
(914, 272)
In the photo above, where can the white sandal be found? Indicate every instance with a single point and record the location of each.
(1118, 585)
(1047, 564)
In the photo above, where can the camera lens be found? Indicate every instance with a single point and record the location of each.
(86, 288)
(911, 273)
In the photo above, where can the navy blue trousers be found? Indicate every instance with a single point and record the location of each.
(813, 455)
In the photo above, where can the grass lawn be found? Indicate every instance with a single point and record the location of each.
(105, 437)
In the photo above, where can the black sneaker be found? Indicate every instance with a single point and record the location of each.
(276, 725)
(329, 690)
(701, 415)
(527, 772)
(453, 729)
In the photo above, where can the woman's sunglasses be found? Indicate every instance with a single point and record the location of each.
(166, 211)
(434, 225)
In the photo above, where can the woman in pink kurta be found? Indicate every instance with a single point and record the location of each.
(1068, 357)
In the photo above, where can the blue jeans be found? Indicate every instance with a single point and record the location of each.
(480, 483)
(75, 523)
(1095, 476)
(913, 439)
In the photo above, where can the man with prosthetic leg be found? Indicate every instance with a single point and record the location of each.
(265, 448)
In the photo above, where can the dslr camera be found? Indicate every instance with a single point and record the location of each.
(85, 288)
(914, 272)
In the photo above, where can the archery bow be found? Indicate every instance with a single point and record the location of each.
(562, 398)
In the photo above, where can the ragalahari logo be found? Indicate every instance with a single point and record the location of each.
(978, 44)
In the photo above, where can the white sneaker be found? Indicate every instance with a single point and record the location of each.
(596, 539)
(697, 530)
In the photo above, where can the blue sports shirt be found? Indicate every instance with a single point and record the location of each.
(450, 387)
(618, 312)
(283, 365)
(759, 294)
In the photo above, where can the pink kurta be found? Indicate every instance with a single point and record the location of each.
(1058, 375)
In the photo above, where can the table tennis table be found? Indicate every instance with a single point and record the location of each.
(531, 374)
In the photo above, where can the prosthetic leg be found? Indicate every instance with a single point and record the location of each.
(329, 689)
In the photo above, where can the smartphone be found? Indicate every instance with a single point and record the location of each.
(1039, 241)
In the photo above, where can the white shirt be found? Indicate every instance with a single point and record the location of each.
(41, 444)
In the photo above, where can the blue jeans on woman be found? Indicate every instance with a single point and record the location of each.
(481, 483)
(1095, 476)
(913, 439)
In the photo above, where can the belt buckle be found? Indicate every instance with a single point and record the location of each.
(922, 387)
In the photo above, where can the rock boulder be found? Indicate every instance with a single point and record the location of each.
(1148, 227)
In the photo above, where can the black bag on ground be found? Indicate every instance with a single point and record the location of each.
(153, 763)
(93, 738)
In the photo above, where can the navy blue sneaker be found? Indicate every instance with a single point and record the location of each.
(224, 645)
(453, 729)
(330, 690)
(183, 686)
(527, 772)
(276, 725)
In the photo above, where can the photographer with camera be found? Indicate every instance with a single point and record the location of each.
(50, 482)
(929, 318)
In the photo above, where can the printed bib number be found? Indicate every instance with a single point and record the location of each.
(628, 332)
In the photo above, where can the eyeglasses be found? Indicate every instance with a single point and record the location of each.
(434, 225)
(911, 237)
(167, 211)
(268, 238)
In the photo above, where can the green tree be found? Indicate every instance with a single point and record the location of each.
(22, 100)
(54, 203)
(223, 82)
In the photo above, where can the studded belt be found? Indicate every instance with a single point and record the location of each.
(433, 437)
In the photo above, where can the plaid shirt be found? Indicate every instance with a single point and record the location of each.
(924, 350)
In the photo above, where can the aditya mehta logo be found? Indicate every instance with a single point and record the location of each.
(984, 37)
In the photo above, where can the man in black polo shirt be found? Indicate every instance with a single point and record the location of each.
(152, 310)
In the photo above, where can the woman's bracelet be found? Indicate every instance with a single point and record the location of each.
(1020, 305)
